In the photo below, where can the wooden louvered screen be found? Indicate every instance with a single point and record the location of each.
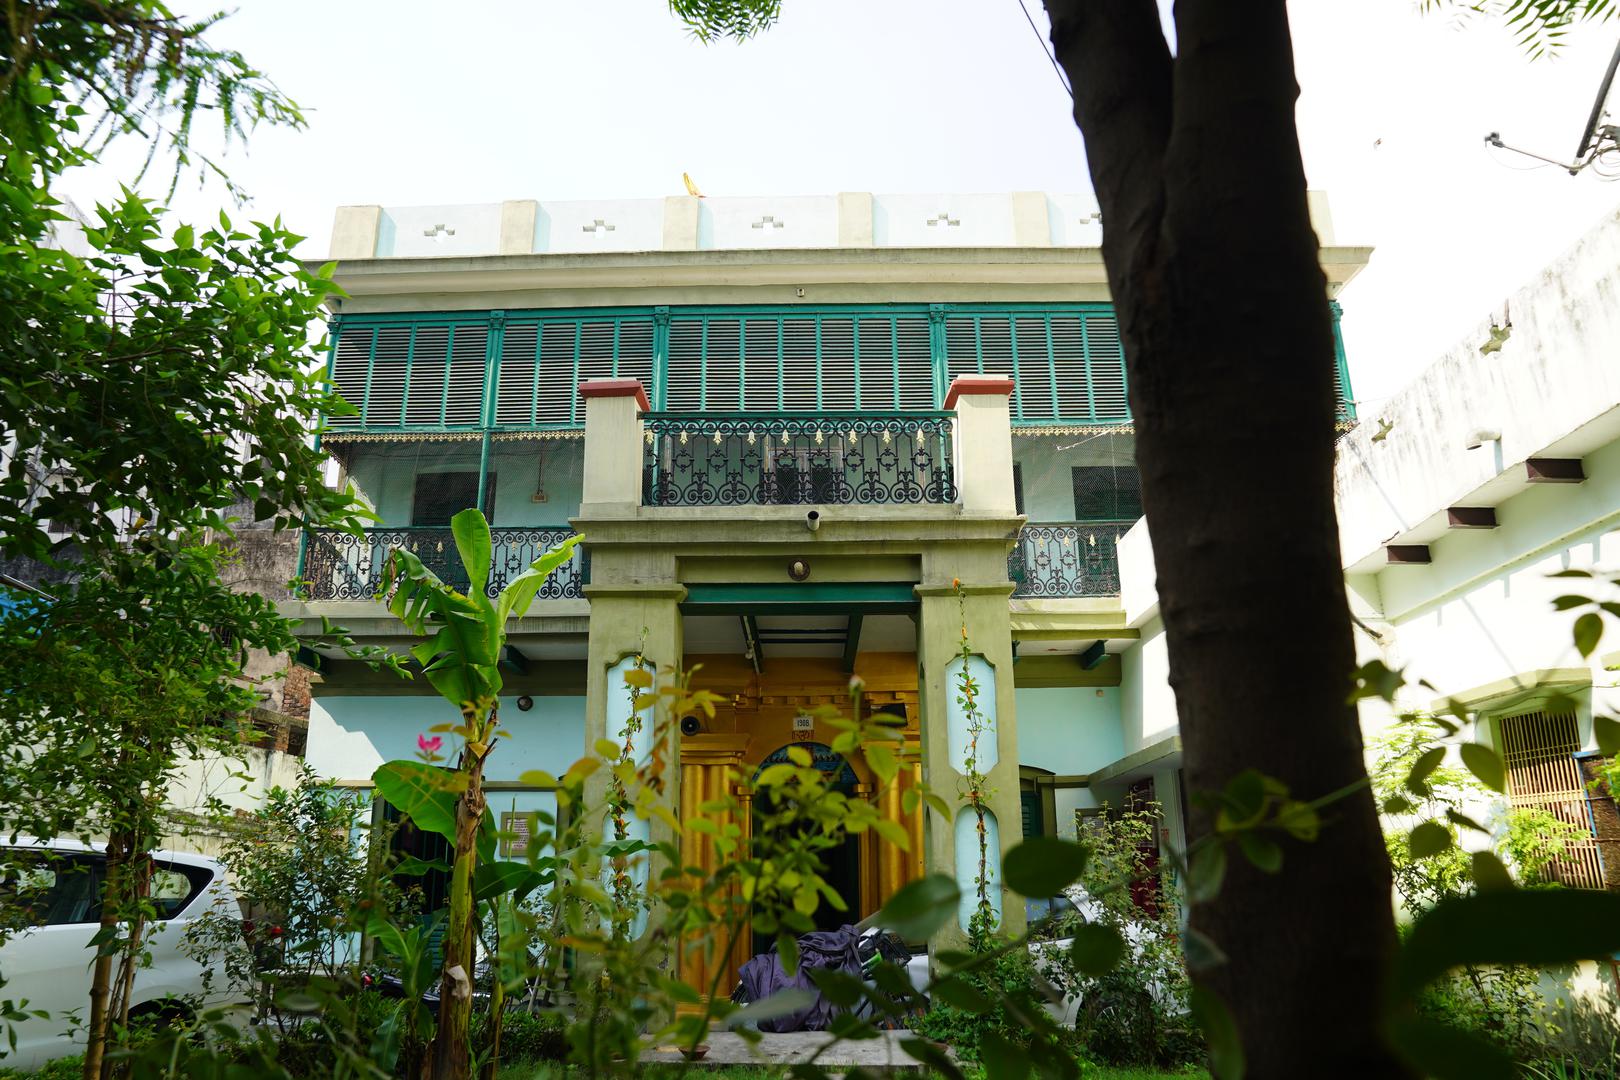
(543, 361)
(1542, 772)
(800, 363)
(405, 375)
(1065, 366)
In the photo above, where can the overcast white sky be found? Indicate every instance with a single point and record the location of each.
(412, 102)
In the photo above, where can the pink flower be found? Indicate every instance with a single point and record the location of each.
(427, 745)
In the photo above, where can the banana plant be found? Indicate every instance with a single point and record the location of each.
(465, 635)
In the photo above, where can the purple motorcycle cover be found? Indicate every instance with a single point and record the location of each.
(762, 976)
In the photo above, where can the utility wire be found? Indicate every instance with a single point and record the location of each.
(1046, 48)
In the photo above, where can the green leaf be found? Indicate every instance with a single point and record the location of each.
(894, 832)
(782, 1003)
(931, 1055)
(1565, 603)
(1200, 950)
(1482, 761)
(492, 879)
(425, 794)
(1096, 948)
(1205, 872)
(1243, 801)
(959, 995)
(1043, 866)
(920, 907)
(1002, 1058)
(1226, 1060)
(1489, 873)
(1427, 762)
(1263, 853)
(1588, 632)
(844, 991)
(471, 531)
(1463, 821)
(1445, 1053)
(1429, 838)
(1534, 927)
(1606, 729)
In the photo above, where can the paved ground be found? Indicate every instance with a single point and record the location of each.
(726, 1048)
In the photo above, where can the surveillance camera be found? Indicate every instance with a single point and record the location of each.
(691, 725)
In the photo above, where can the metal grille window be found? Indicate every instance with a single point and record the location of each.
(1107, 493)
(799, 362)
(1065, 365)
(1542, 772)
(411, 375)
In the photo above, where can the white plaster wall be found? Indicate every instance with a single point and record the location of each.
(626, 225)
(795, 222)
(1147, 704)
(1074, 220)
(1138, 576)
(903, 220)
(1559, 369)
(471, 229)
(350, 736)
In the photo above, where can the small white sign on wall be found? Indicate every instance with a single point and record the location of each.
(804, 728)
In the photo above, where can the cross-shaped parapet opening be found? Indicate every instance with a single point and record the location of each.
(944, 218)
(438, 231)
(768, 222)
(598, 227)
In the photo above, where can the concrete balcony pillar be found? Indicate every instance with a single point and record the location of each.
(984, 460)
(613, 453)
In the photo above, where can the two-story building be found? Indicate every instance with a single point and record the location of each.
(787, 427)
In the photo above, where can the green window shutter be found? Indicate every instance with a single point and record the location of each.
(914, 363)
(1036, 398)
(961, 348)
(1030, 803)
(874, 364)
(350, 365)
(761, 362)
(801, 389)
(515, 377)
(464, 389)
(557, 374)
(429, 367)
(385, 389)
(722, 366)
(1105, 359)
(1070, 370)
(684, 389)
(838, 364)
(634, 358)
(596, 352)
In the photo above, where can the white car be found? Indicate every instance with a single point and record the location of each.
(56, 886)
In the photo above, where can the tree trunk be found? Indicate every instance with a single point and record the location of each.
(450, 1057)
(138, 876)
(101, 976)
(1223, 308)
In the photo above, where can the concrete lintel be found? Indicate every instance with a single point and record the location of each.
(1056, 672)
(1038, 626)
(1003, 588)
(1516, 689)
(1144, 757)
(637, 590)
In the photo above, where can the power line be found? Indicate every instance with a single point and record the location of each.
(1045, 48)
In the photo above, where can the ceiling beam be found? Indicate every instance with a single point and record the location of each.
(1547, 470)
(1407, 554)
(1471, 517)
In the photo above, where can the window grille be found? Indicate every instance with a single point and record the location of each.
(1538, 749)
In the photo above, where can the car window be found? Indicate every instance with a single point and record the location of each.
(175, 886)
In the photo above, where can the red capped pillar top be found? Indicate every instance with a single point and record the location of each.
(969, 385)
(610, 388)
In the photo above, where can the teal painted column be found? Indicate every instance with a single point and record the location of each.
(660, 377)
(936, 350)
(1341, 364)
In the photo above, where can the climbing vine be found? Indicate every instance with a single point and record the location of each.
(637, 682)
(982, 924)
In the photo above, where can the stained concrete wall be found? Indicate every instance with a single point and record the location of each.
(385, 475)
(1045, 464)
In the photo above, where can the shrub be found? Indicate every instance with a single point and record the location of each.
(525, 1036)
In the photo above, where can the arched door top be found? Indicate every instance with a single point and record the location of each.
(823, 757)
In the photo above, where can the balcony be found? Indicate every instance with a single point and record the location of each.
(1057, 560)
(341, 566)
(780, 458)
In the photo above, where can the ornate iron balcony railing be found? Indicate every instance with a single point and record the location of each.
(775, 458)
(1065, 559)
(338, 566)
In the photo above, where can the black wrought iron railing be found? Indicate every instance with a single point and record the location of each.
(338, 566)
(1065, 559)
(773, 458)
